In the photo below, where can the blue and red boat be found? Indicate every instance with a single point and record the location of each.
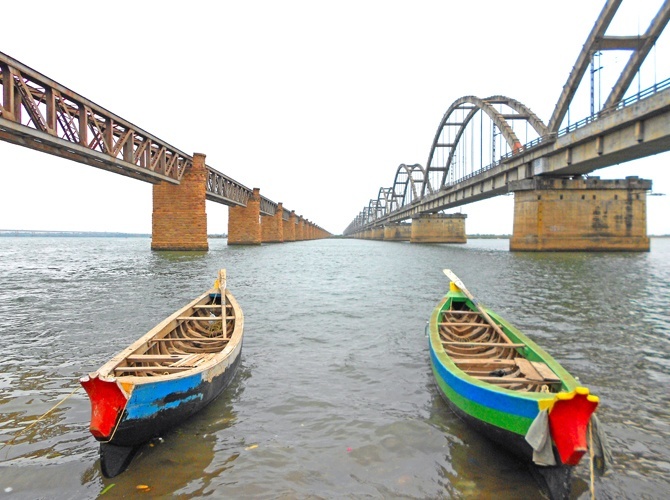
(506, 387)
(164, 377)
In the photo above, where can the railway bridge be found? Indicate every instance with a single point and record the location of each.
(478, 153)
(38, 113)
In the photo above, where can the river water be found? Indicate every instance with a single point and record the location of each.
(334, 396)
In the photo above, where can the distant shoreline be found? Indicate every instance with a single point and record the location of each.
(21, 233)
(26, 233)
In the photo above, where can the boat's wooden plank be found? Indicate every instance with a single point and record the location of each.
(211, 306)
(482, 344)
(151, 368)
(464, 313)
(513, 380)
(153, 358)
(528, 369)
(476, 362)
(188, 360)
(545, 371)
(190, 339)
(454, 323)
(202, 318)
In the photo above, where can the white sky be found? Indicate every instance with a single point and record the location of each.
(314, 102)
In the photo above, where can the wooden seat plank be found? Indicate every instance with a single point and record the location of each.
(483, 344)
(545, 371)
(153, 358)
(453, 323)
(528, 369)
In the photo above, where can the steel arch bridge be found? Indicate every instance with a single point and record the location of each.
(482, 144)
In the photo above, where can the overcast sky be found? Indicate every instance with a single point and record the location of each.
(314, 102)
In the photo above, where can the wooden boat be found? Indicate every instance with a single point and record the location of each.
(506, 387)
(167, 375)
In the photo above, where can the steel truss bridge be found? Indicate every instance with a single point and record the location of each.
(39, 113)
(477, 152)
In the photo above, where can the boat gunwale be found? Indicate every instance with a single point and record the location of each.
(106, 371)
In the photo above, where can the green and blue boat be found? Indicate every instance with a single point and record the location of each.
(506, 387)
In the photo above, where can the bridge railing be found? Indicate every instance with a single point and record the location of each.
(620, 105)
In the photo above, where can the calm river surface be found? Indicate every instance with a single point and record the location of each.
(334, 397)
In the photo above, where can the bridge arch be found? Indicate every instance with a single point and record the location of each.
(408, 184)
(472, 105)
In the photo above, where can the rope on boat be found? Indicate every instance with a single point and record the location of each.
(600, 455)
(592, 487)
(11, 441)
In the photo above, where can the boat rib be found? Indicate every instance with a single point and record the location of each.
(478, 349)
(195, 338)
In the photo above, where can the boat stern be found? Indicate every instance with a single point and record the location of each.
(109, 398)
(568, 421)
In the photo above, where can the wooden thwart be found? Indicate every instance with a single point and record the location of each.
(545, 371)
(151, 368)
(453, 323)
(153, 358)
(474, 362)
(483, 344)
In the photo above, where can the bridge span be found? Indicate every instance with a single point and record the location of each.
(38, 113)
(557, 205)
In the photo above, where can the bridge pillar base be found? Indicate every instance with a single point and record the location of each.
(179, 219)
(300, 229)
(438, 228)
(289, 227)
(397, 232)
(591, 214)
(244, 224)
(377, 233)
(272, 226)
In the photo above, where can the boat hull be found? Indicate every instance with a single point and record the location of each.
(504, 415)
(156, 405)
(475, 406)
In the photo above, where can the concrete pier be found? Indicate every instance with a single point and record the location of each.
(397, 232)
(590, 214)
(438, 228)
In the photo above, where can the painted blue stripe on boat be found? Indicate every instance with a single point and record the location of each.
(493, 399)
(148, 399)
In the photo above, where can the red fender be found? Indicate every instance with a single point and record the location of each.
(568, 420)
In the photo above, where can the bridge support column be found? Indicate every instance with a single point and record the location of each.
(377, 233)
(397, 232)
(289, 227)
(299, 229)
(272, 226)
(591, 214)
(179, 219)
(438, 228)
(244, 224)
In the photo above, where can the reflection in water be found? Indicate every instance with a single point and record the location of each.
(334, 396)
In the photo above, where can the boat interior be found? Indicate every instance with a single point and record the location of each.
(194, 338)
(482, 350)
